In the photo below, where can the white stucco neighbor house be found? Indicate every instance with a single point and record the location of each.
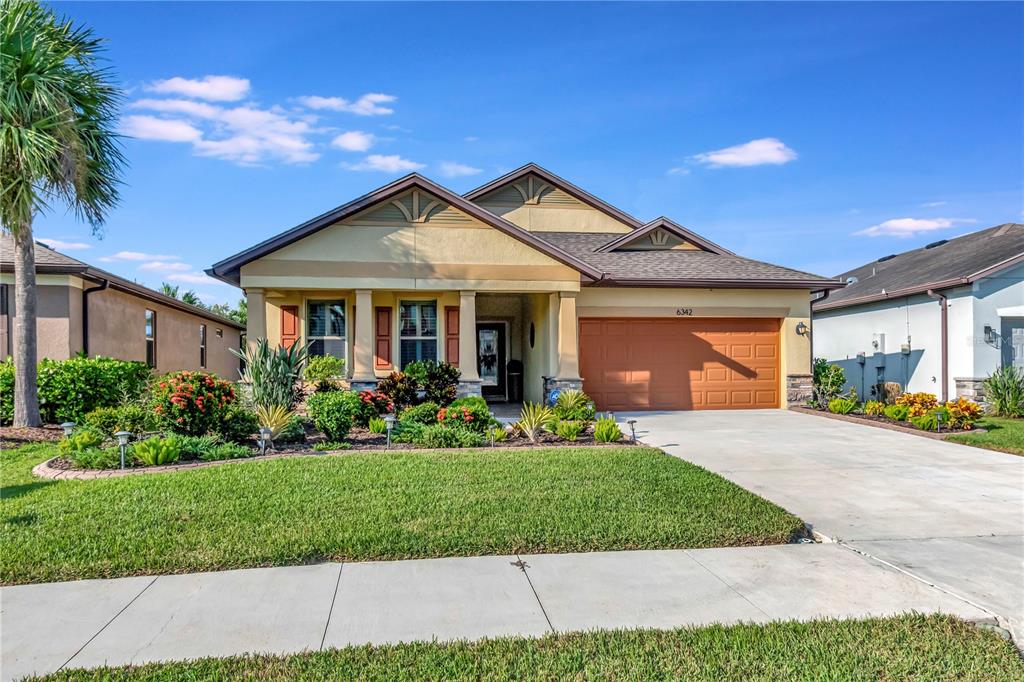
(938, 319)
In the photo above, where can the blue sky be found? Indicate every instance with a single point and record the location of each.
(817, 136)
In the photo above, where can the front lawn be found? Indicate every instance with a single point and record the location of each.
(369, 506)
(1005, 435)
(909, 647)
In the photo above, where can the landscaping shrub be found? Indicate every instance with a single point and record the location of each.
(424, 413)
(101, 458)
(324, 446)
(570, 430)
(378, 425)
(133, 418)
(498, 434)
(446, 436)
(573, 405)
(471, 411)
(875, 408)
(918, 404)
(533, 419)
(400, 388)
(192, 403)
(272, 373)
(69, 389)
(83, 439)
(963, 413)
(237, 424)
(195, 447)
(607, 431)
(897, 413)
(1004, 391)
(226, 451)
(439, 380)
(294, 431)
(157, 451)
(828, 381)
(372, 404)
(324, 371)
(842, 405)
(333, 412)
(273, 417)
(928, 421)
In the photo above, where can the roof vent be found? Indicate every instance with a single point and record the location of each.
(852, 280)
(885, 258)
(934, 244)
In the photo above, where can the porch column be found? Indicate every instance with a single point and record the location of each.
(568, 338)
(467, 336)
(256, 321)
(362, 354)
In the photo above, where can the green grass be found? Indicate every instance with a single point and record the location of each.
(369, 506)
(905, 648)
(1005, 435)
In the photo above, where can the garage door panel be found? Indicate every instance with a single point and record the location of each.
(702, 363)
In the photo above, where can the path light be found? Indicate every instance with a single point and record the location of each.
(265, 434)
(632, 429)
(389, 421)
(69, 428)
(122, 443)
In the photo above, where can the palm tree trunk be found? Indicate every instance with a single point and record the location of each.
(26, 394)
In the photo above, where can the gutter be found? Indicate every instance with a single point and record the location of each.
(102, 286)
(943, 339)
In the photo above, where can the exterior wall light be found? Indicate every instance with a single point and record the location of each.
(802, 329)
(122, 443)
(389, 421)
(69, 428)
(265, 434)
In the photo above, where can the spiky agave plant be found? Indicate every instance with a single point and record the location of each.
(534, 418)
(272, 372)
(1004, 392)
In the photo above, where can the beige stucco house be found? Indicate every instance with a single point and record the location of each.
(82, 309)
(531, 273)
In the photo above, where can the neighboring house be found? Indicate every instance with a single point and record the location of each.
(532, 269)
(82, 309)
(937, 319)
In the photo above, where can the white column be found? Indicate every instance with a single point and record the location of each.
(362, 353)
(256, 321)
(568, 339)
(467, 336)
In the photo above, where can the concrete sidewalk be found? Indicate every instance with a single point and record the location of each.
(305, 608)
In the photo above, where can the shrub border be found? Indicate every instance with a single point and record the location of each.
(856, 419)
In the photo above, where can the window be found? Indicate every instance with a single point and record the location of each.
(202, 346)
(325, 327)
(151, 338)
(417, 330)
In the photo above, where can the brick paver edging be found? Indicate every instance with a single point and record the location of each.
(880, 424)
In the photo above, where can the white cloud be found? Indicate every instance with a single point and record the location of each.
(767, 150)
(909, 227)
(164, 266)
(933, 204)
(353, 141)
(194, 278)
(179, 106)
(136, 256)
(367, 105)
(61, 245)
(678, 170)
(213, 88)
(162, 129)
(451, 169)
(391, 163)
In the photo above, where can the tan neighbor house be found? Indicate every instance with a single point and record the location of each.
(531, 269)
(82, 309)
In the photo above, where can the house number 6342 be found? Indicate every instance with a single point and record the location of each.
(684, 312)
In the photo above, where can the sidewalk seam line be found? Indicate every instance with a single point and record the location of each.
(723, 581)
(535, 595)
(330, 612)
(107, 624)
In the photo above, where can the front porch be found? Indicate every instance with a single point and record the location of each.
(509, 346)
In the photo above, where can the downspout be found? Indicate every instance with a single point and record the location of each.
(944, 340)
(104, 283)
(810, 334)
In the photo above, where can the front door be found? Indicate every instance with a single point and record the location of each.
(1013, 342)
(490, 359)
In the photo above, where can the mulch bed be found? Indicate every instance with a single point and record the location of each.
(14, 436)
(883, 423)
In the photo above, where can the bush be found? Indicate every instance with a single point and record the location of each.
(607, 431)
(439, 380)
(192, 403)
(424, 413)
(963, 413)
(101, 458)
(333, 412)
(400, 388)
(842, 405)
(275, 418)
(133, 418)
(294, 431)
(471, 412)
(324, 446)
(226, 451)
(1004, 391)
(272, 373)
(875, 408)
(157, 451)
(498, 434)
(828, 381)
(918, 404)
(69, 389)
(897, 413)
(445, 436)
(81, 440)
(573, 405)
(323, 370)
(237, 424)
(195, 447)
(372, 404)
(927, 422)
(570, 430)
(378, 425)
(533, 419)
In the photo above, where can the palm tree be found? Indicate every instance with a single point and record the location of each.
(169, 290)
(191, 298)
(57, 143)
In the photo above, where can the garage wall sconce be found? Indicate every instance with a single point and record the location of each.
(802, 329)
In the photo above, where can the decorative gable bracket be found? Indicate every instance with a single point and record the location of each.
(532, 190)
(416, 213)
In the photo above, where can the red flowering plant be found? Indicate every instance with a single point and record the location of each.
(192, 403)
(456, 416)
(372, 404)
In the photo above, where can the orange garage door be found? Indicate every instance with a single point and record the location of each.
(680, 364)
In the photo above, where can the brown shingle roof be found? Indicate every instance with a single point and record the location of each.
(940, 265)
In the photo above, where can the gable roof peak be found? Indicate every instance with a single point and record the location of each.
(672, 226)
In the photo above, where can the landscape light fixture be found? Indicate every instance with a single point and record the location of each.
(389, 421)
(69, 428)
(265, 434)
(632, 429)
(122, 443)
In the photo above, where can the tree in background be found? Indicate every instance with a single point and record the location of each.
(58, 111)
(169, 290)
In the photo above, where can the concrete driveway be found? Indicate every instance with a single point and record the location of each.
(949, 514)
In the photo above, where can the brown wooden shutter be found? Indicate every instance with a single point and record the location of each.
(382, 334)
(451, 334)
(289, 325)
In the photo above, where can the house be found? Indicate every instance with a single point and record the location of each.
(937, 319)
(530, 278)
(82, 309)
